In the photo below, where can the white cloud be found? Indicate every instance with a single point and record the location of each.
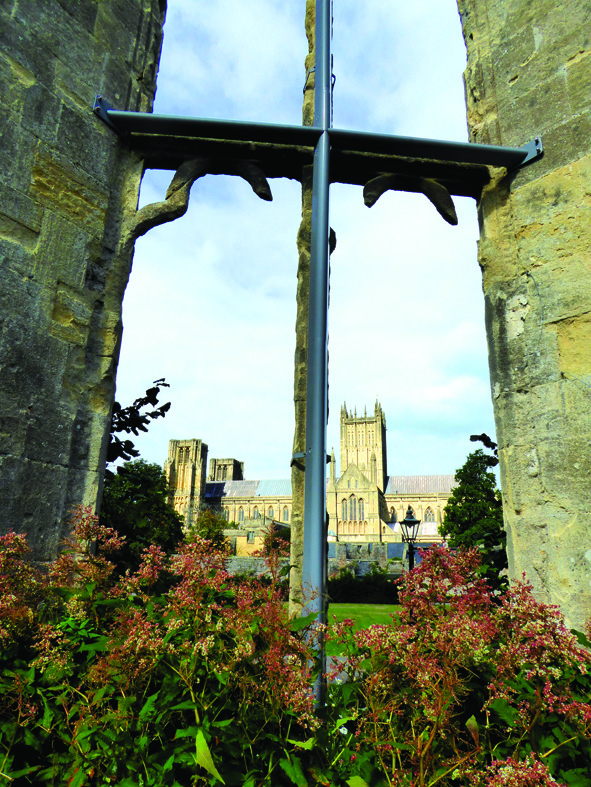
(211, 300)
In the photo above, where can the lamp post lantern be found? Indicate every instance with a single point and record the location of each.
(410, 529)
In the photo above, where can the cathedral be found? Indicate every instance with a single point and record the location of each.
(364, 503)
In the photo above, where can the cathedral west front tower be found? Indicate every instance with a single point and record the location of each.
(363, 444)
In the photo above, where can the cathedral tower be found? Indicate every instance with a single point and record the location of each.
(185, 470)
(363, 443)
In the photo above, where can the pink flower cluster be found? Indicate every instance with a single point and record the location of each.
(416, 675)
(511, 773)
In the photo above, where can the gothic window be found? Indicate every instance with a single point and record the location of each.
(270, 512)
(241, 514)
(344, 510)
(181, 456)
(226, 514)
(352, 507)
(393, 515)
(285, 514)
(361, 441)
(429, 515)
(349, 484)
(250, 537)
(255, 513)
(361, 509)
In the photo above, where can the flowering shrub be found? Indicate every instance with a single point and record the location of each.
(465, 688)
(113, 681)
(104, 682)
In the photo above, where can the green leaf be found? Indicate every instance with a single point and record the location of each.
(581, 638)
(309, 744)
(357, 781)
(222, 723)
(148, 706)
(297, 624)
(187, 705)
(186, 732)
(204, 758)
(292, 767)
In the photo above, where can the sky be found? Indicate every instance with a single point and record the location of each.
(211, 301)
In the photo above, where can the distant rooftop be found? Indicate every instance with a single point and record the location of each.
(420, 484)
(397, 484)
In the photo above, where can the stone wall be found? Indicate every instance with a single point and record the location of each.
(68, 194)
(529, 74)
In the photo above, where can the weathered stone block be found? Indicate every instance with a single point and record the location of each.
(528, 73)
(69, 191)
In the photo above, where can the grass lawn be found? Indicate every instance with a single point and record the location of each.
(362, 615)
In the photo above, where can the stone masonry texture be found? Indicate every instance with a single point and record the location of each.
(529, 74)
(68, 194)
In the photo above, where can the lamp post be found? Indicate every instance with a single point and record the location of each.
(410, 529)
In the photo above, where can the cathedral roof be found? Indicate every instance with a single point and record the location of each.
(265, 488)
(420, 484)
(397, 484)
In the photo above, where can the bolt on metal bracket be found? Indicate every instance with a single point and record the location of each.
(100, 109)
(534, 150)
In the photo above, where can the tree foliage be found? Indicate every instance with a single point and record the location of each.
(135, 504)
(474, 515)
(132, 420)
(210, 525)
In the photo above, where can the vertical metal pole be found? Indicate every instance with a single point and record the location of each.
(314, 557)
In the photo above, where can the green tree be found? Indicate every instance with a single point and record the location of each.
(474, 516)
(210, 525)
(135, 504)
(132, 420)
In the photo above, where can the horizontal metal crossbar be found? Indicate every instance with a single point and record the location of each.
(297, 136)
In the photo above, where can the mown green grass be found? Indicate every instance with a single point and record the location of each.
(362, 615)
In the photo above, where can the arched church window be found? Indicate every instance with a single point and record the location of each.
(241, 514)
(429, 515)
(352, 507)
(255, 513)
(393, 515)
(285, 514)
(270, 512)
(344, 510)
(226, 514)
(361, 509)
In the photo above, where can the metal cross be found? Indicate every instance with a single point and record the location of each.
(376, 161)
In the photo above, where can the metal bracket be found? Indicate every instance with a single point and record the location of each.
(296, 457)
(302, 455)
(534, 150)
(100, 109)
